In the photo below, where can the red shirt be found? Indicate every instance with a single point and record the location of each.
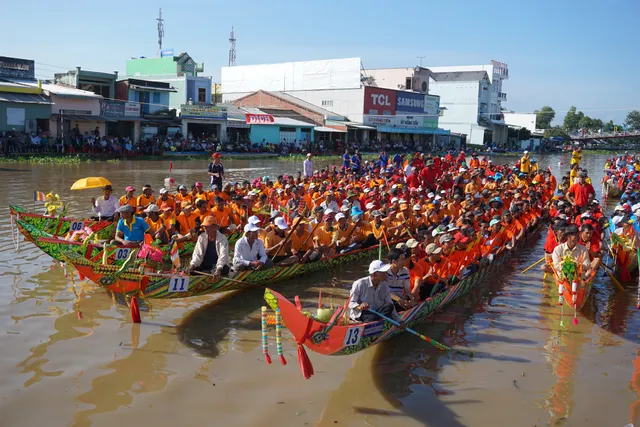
(581, 193)
(551, 242)
(428, 176)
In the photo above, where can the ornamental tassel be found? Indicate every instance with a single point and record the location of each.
(305, 364)
(135, 310)
(279, 337)
(104, 253)
(265, 340)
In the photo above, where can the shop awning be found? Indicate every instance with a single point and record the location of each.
(86, 118)
(152, 88)
(414, 131)
(326, 129)
(360, 126)
(24, 98)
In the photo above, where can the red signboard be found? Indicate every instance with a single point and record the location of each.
(379, 101)
(260, 119)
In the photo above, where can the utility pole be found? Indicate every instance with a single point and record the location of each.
(160, 32)
(420, 58)
(232, 49)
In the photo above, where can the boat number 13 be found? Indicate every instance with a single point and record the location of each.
(353, 335)
(179, 284)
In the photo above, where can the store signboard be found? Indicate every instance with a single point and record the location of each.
(431, 111)
(402, 121)
(132, 109)
(238, 124)
(260, 119)
(378, 101)
(409, 102)
(112, 108)
(203, 111)
(17, 68)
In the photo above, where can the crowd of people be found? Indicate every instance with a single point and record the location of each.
(452, 212)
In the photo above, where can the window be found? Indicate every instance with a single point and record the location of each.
(202, 95)
(327, 103)
(408, 83)
(156, 98)
(424, 86)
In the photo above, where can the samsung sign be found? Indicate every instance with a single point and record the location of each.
(409, 102)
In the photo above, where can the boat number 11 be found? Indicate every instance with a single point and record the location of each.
(353, 335)
(179, 284)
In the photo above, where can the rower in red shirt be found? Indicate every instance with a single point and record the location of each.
(581, 194)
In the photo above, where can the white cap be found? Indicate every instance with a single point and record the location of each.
(430, 195)
(344, 208)
(417, 207)
(370, 206)
(394, 199)
(308, 154)
(402, 201)
(378, 266)
(340, 216)
(329, 211)
(526, 152)
(366, 190)
(251, 227)
(152, 208)
(437, 198)
(281, 223)
(163, 190)
(254, 220)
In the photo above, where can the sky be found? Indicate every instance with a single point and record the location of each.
(560, 53)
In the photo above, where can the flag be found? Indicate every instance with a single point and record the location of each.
(175, 257)
(39, 196)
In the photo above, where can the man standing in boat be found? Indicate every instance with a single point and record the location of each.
(211, 253)
(216, 171)
(581, 193)
(372, 292)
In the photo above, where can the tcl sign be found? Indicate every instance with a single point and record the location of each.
(379, 101)
(260, 119)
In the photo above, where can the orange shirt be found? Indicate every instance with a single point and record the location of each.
(167, 217)
(187, 222)
(298, 242)
(203, 215)
(273, 239)
(154, 226)
(145, 201)
(377, 231)
(223, 216)
(170, 201)
(133, 201)
(324, 236)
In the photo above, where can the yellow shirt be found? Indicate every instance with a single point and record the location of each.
(576, 157)
(525, 166)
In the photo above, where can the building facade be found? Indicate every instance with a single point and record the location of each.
(24, 107)
(414, 79)
(192, 96)
(524, 120)
(100, 83)
(465, 98)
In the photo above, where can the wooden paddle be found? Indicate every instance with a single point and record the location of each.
(612, 277)
(533, 265)
(431, 341)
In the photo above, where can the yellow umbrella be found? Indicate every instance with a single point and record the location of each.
(90, 182)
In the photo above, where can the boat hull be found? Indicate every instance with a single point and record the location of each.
(340, 340)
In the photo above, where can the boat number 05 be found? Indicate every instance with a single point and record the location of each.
(353, 335)
(179, 284)
(122, 253)
(77, 226)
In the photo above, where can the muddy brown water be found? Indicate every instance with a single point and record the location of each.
(198, 361)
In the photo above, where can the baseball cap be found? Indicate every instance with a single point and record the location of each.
(198, 184)
(378, 266)
(494, 222)
(186, 204)
(130, 188)
(163, 190)
(340, 216)
(412, 243)
(446, 238)
(251, 227)
(166, 206)
(152, 208)
(254, 220)
(280, 222)
(210, 220)
(433, 249)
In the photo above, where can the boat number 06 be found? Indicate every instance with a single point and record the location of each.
(77, 226)
(353, 335)
(122, 253)
(179, 284)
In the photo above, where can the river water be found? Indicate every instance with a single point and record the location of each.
(198, 361)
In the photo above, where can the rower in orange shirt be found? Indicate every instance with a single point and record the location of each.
(145, 199)
(225, 216)
(187, 218)
(165, 198)
(167, 215)
(182, 195)
(129, 198)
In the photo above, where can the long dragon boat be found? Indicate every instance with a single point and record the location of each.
(337, 339)
(128, 279)
(59, 248)
(625, 256)
(61, 226)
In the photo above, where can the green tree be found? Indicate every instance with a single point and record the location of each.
(585, 122)
(633, 120)
(544, 117)
(596, 125)
(608, 127)
(571, 120)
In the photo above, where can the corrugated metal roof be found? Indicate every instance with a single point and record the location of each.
(309, 106)
(285, 121)
(58, 90)
(24, 98)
